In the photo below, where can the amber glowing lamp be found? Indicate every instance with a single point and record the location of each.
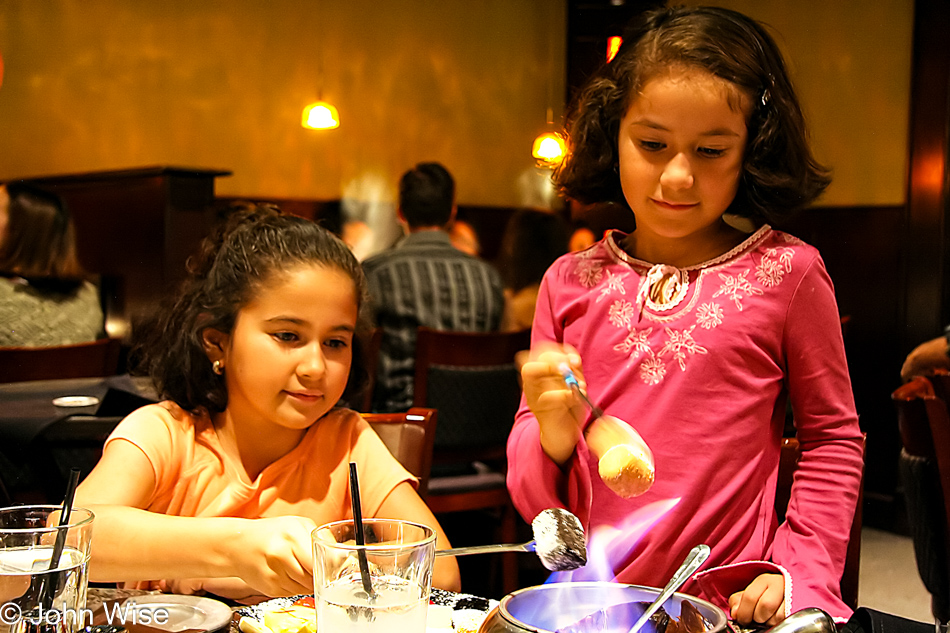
(320, 116)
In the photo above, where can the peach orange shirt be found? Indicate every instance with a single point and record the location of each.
(194, 478)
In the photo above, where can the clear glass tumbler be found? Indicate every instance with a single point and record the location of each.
(397, 560)
(43, 569)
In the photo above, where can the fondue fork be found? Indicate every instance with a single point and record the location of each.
(571, 381)
(624, 461)
(530, 546)
(696, 557)
(560, 534)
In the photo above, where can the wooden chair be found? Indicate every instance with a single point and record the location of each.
(924, 425)
(83, 360)
(409, 437)
(791, 454)
(472, 380)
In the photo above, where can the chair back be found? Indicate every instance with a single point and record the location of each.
(83, 360)
(472, 380)
(924, 425)
(788, 464)
(409, 437)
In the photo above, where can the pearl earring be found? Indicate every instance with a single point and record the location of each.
(217, 367)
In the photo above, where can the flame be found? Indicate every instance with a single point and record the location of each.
(614, 543)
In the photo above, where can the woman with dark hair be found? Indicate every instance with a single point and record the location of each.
(45, 296)
(532, 241)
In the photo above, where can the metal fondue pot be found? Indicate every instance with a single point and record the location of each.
(546, 608)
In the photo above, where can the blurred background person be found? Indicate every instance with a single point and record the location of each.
(533, 240)
(46, 297)
(463, 237)
(928, 357)
(582, 237)
(425, 281)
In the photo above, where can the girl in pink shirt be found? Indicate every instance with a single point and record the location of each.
(696, 328)
(218, 488)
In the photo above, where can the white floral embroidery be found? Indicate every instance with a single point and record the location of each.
(614, 284)
(785, 256)
(587, 253)
(652, 371)
(589, 272)
(679, 344)
(770, 270)
(636, 343)
(709, 315)
(620, 313)
(736, 288)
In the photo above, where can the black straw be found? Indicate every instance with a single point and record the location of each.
(358, 524)
(48, 590)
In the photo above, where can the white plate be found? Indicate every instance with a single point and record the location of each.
(183, 612)
(76, 401)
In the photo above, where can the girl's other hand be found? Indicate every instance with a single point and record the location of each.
(275, 555)
(558, 410)
(762, 602)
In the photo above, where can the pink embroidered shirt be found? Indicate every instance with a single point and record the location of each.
(701, 362)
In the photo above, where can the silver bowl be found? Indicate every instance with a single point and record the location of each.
(546, 608)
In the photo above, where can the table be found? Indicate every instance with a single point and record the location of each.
(35, 433)
(98, 596)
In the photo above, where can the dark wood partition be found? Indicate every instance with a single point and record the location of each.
(926, 301)
(135, 228)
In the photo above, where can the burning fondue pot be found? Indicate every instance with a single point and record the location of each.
(582, 607)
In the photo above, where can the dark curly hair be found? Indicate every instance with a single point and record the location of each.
(779, 173)
(248, 249)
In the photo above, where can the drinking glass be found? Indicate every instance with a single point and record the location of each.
(398, 558)
(38, 593)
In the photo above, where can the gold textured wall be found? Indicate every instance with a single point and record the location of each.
(104, 84)
(850, 61)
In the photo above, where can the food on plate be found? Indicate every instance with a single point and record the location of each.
(447, 611)
(293, 619)
(299, 617)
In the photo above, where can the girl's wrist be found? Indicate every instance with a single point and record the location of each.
(224, 545)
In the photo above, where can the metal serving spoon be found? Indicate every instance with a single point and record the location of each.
(696, 557)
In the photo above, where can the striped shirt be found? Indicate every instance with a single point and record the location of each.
(425, 281)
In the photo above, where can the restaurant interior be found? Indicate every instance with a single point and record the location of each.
(147, 117)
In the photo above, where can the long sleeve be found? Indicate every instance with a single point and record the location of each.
(812, 543)
(810, 547)
(534, 480)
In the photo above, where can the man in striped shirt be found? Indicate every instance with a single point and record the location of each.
(425, 281)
